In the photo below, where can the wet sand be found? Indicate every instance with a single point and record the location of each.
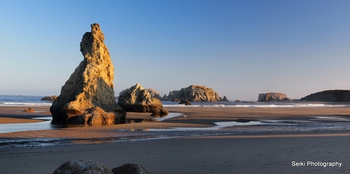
(213, 154)
(195, 117)
(252, 153)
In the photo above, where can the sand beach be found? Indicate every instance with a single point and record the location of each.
(259, 152)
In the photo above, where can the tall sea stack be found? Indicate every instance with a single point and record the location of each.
(87, 97)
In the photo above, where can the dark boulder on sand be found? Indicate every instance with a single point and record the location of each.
(138, 99)
(90, 86)
(130, 168)
(82, 166)
(272, 96)
(94, 167)
(329, 96)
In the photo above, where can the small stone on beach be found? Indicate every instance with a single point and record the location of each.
(29, 110)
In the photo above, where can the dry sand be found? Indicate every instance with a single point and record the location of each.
(15, 114)
(257, 153)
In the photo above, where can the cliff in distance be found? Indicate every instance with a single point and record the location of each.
(329, 96)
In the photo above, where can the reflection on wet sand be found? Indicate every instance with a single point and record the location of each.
(142, 126)
(46, 124)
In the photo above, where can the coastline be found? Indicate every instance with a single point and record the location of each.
(237, 153)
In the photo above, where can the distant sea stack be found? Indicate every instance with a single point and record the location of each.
(329, 96)
(87, 97)
(225, 99)
(49, 98)
(194, 93)
(139, 99)
(154, 93)
(272, 96)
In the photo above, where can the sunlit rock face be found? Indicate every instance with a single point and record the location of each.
(272, 96)
(138, 99)
(89, 86)
(194, 93)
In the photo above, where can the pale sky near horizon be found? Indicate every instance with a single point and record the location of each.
(239, 48)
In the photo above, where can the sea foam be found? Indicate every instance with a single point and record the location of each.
(24, 104)
(261, 105)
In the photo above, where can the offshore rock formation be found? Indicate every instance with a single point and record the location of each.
(272, 96)
(194, 93)
(225, 99)
(87, 97)
(49, 98)
(329, 96)
(154, 93)
(138, 99)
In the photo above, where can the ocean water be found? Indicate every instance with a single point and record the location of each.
(253, 104)
(23, 100)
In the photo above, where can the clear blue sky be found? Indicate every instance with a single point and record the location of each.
(240, 48)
